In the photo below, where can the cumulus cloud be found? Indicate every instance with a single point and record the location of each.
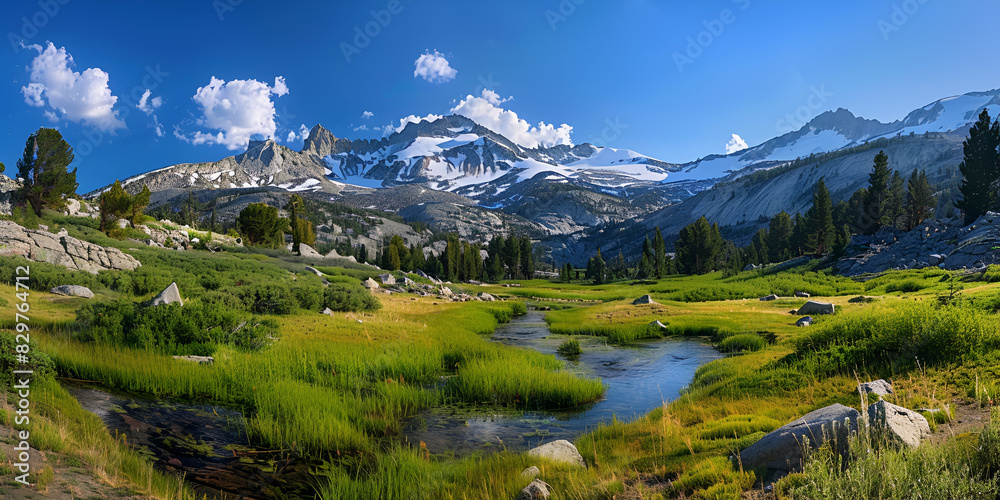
(486, 111)
(301, 136)
(434, 68)
(736, 144)
(78, 97)
(235, 111)
(390, 128)
(367, 114)
(360, 128)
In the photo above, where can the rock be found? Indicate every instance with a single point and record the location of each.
(308, 251)
(657, 324)
(802, 294)
(169, 295)
(935, 259)
(559, 451)
(879, 387)
(806, 321)
(327, 311)
(769, 298)
(486, 297)
(750, 267)
(537, 490)
(71, 253)
(899, 424)
(122, 223)
(428, 277)
(445, 291)
(387, 279)
(370, 284)
(314, 271)
(780, 452)
(813, 307)
(73, 291)
(530, 472)
(201, 360)
(645, 299)
(408, 281)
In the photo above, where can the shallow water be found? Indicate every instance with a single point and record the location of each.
(638, 378)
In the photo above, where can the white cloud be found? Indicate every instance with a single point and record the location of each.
(360, 128)
(79, 97)
(486, 111)
(434, 68)
(736, 144)
(147, 105)
(367, 114)
(301, 136)
(237, 109)
(388, 129)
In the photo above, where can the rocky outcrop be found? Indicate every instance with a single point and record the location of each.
(7, 188)
(878, 387)
(781, 451)
(898, 424)
(813, 307)
(73, 291)
(645, 299)
(61, 249)
(559, 451)
(169, 295)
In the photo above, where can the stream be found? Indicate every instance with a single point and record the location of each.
(639, 378)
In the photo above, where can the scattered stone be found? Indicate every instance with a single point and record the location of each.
(73, 291)
(780, 452)
(201, 360)
(750, 267)
(485, 297)
(387, 279)
(559, 451)
(769, 298)
(879, 387)
(802, 294)
(813, 307)
(645, 299)
(537, 490)
(806, 321)
(308, 251)
(899, 424)
(370, 284)
(314, 271)
(169, 295)
(530, 472)
(327, 311)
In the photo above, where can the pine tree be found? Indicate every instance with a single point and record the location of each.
(660, 253)
(873, 213)
(699, 246)
(114, 204)
(920, 199)
(417, 259)
(527, 259)
(646, 269)
(393, 259)
(819, 219)
(293, 206)
(895, 197)
(800, 237)
(260, 225)
(980, 168)
(569, 272)
(779, 236)
(512, 257)
(600, 270)
(452, 258)
(42, 169)
(139, 203)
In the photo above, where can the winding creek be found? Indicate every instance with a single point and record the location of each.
(208, 445)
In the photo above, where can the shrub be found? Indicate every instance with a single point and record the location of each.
(744, 342)
(308, 293)
(905, 286)
(569, 348)
(265, 298)
(349, 298)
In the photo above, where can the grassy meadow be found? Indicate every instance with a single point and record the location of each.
(336, 390)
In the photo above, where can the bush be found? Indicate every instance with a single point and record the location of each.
(569, 348)
(905, 286)
(308, 293)
(349, 298)
(744, 342)
(265, 298)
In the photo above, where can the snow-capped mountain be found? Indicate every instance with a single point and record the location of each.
(834, 130)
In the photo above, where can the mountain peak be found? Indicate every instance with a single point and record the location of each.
(320, 142)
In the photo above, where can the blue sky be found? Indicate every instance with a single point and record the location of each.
(671, 80)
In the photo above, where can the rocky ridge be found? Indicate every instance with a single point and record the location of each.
(61, 249)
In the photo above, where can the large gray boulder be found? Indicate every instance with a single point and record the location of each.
(559, 451)
(645, 299)
(485, 297)
(878, 387)
(169, 295)
(537, 490)
(62, 250)
(370, 284)
(769, 298)
(308, 251)
(781, 451)
(804, 321)
(73, 291)
(813, 307)
(898, 424)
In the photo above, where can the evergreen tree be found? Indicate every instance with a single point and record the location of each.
(527, 258)
(512, 257)
(452, 258)
(600, 271)
(660, 253)
(42, 169)
(800, 237)
(260, 225)
(893, 212)
(920, 199)
(115, 203)
(779, 236)
(494, 261)
(980, 168)
(433, 266)
(699, 246)
(139, 202)
(819, 219)
(874, 214)
(294, 205)
(646, 269)
(362, 255)
(569, 272)
(393, 259)
(417, 259)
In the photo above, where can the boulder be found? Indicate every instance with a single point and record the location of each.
(813, 307)
(802, 294)
(62, 250)
(899, 424)
(169, 295)
(530, 472)
(781, 451)
(308, 251)
(485, 297)
(73, 291)
(370, 284)
(327, 311)
(387, 279)
(878, 387)
(769, 298)
(657, 324)
(559, 451)
(805, 321)
(645, 299)
(935, 259)
(122, 223)
(201, 360)
(537, 490)
(314, 271)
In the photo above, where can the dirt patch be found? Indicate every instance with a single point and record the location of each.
(969, 417)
